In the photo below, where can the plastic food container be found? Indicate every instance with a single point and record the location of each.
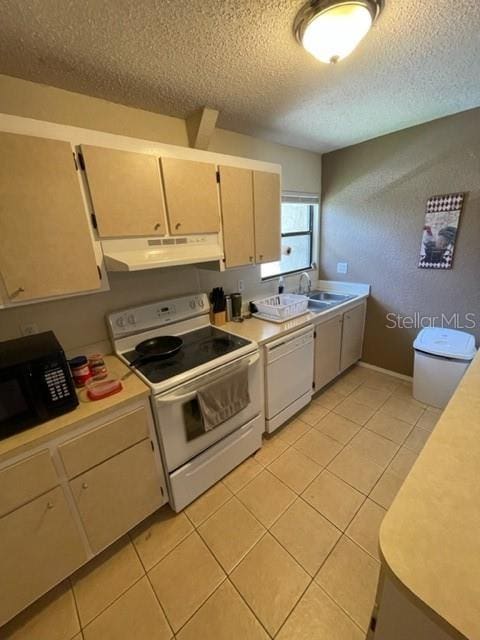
(80, 370)
(97, 366)
(102, 388)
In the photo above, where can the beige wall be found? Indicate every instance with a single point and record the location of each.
(80, 321)
(374, 197)
(301, 169)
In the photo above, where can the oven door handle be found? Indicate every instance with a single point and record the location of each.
(222, 371)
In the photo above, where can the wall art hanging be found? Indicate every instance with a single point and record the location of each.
(442, 217)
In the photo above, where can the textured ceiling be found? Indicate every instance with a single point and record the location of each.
(420, 62)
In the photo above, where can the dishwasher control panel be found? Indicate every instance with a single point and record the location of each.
(294, 340)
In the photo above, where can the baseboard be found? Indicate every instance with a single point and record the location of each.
(394, 374)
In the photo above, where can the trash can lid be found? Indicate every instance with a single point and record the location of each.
(446, 342)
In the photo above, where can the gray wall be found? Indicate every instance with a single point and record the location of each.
(374, 197)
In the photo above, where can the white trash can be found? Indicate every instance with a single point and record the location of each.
(441, 358)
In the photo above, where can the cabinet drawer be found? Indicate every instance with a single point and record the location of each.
(116, 495)
(92, 448)
(40, 546)
(25, 480)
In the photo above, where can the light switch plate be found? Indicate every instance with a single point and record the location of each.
(342, 267)
(241, 286)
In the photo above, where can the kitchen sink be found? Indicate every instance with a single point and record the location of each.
(323, 300)
(328, 297)
(317, 305)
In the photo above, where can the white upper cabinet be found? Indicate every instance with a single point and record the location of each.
(126, 191)
(236, 195)
(191, 195)
(46, 242)
(266, 200)
(73, 201)
(250, 203)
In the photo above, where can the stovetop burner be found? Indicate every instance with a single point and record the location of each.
(215, 346)
(199, 346)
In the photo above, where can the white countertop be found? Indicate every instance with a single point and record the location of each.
(133, 388)
(263, 331)
(430, 536)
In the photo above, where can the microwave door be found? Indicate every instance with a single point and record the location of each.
(18, 409)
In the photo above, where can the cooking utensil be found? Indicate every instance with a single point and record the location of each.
(157, 349)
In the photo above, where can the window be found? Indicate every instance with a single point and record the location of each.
(298, 217)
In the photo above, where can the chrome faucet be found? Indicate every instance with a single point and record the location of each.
(301, 290)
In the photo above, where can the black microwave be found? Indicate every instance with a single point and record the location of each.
(35, 382)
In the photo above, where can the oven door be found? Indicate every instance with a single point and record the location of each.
(179, 422)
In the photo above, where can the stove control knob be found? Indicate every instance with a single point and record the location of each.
(120, 322)
(131, 319)
(201, 303)
(192, 304)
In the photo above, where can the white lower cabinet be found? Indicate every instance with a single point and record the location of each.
(65, 501)
(40, 544)
(328, 342)
(338, 344)
(117, 494)
(352, 336)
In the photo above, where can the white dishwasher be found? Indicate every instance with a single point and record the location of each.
(288, 376)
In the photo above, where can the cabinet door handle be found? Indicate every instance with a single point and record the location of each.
(178, 225)
(84, 485)
(157, 226)
(251, 258)
(50, 505)
(260, 255)
(17, 292)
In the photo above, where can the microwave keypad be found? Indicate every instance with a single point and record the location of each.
(57, 384)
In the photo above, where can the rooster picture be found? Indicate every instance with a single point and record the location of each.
(440, 231)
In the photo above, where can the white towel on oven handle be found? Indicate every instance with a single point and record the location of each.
(224, 398)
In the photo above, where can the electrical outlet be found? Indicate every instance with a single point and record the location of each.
(28, 329)
(241, 286)
(342, 267)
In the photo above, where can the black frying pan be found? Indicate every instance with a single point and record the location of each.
(157, 349)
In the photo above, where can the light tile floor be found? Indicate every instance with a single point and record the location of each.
(284, 547)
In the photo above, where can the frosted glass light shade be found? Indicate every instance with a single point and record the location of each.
(335, 32)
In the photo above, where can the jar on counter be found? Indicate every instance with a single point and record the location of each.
(97, 366)
(80, 370)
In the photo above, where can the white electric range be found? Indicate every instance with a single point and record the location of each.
(194, 459)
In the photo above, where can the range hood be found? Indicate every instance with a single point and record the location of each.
(138, 254)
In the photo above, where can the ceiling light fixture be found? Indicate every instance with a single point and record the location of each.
(331, 29)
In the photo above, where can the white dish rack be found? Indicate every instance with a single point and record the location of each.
(281, 307)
